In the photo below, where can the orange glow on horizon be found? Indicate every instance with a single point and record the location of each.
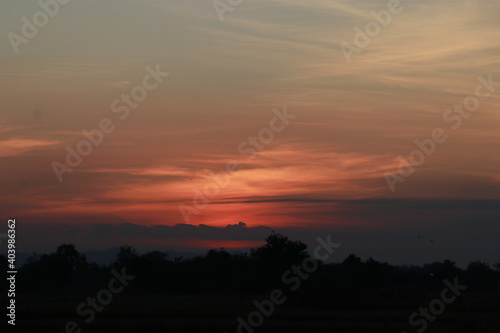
(202, 243)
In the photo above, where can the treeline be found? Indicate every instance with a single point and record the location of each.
(218, 272)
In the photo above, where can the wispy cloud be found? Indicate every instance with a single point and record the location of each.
(18, 146)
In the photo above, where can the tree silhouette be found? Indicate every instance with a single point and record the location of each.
(276, 256)
(127, 256)
(281, 250)
(481, 277)
(65, 269)
(221, 272)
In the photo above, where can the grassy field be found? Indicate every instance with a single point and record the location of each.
(210, 314)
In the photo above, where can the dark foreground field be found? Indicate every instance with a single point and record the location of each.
(134, 313)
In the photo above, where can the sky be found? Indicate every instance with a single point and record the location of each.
(297, 116)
